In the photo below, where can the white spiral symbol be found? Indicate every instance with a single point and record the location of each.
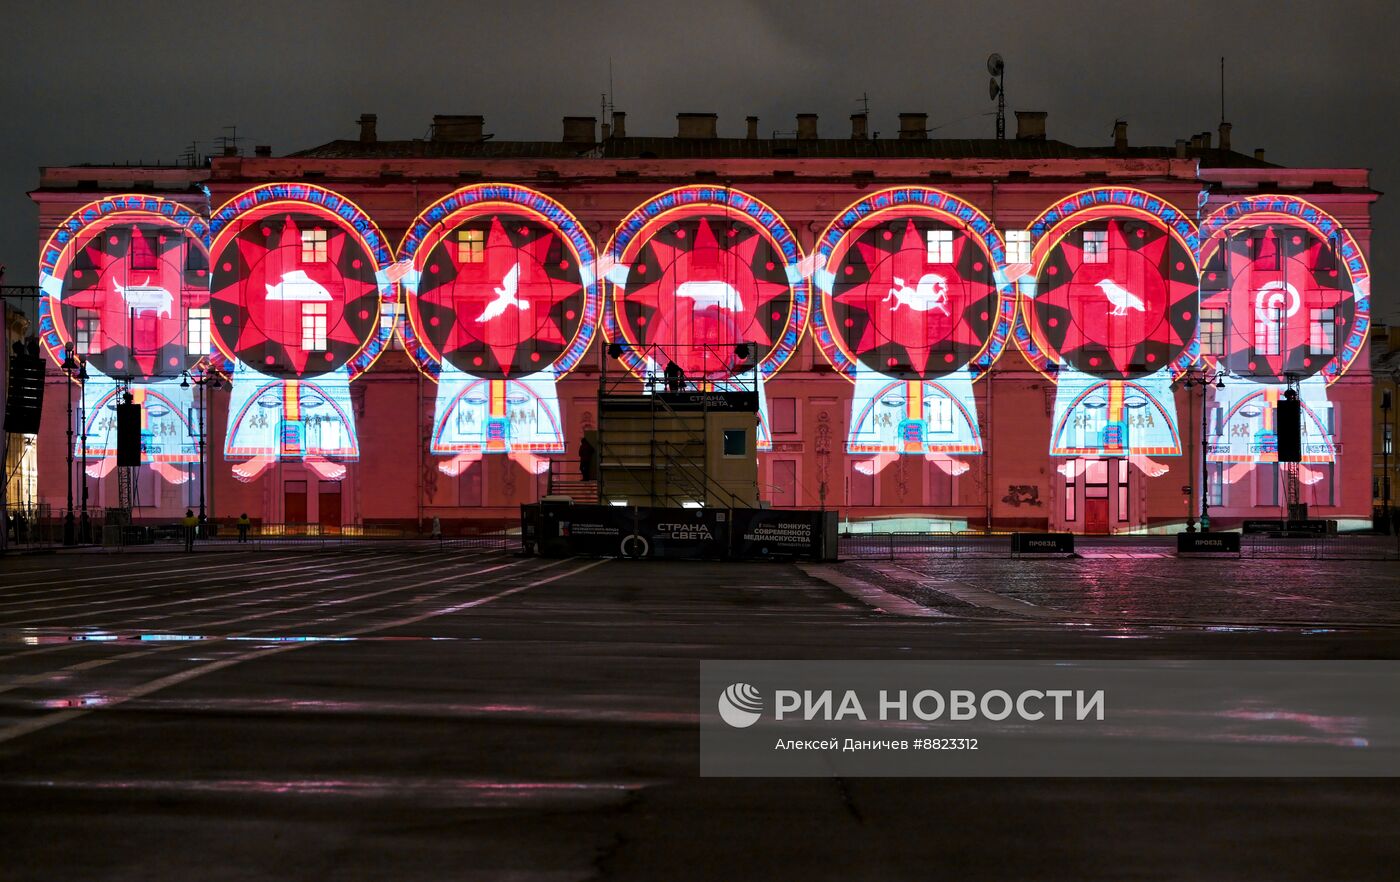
(740, 705)
(1272, 298)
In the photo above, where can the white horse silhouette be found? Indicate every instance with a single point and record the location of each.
(931, 292)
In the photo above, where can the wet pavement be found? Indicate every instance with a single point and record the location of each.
(465, 714)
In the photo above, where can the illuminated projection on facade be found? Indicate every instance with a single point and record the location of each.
(1109, 314)
(912, 308)
(302, 281)
(695, 273)
(502, 300)
(1286, 296)
(125, 285)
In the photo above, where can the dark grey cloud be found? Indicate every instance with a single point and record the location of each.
(1313, 83)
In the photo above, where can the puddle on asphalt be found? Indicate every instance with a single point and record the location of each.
(47, 639)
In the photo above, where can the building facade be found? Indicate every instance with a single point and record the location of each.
(1017, 334)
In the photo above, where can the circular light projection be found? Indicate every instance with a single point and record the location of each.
(1285, 288)
(503, 284)
(909, 282)
(299, 282)
(1115, 286)
(697, 271)
(123, 280)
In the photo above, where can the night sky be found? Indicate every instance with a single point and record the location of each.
(1312, 83)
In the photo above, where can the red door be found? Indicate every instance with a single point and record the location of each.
(328, 506)
(294, 502)
(1096, 516)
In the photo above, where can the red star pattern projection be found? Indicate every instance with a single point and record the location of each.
(1125, 313)
(700, 286)
(1289, 303)
(128, 290)
(500, 296)
(914, 295)
(294, 294)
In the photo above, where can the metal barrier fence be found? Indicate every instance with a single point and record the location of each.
(889, 546)
(347, 537)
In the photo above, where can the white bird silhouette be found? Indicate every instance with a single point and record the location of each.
(1121, 298)
(505, 296)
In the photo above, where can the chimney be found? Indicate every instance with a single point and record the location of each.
(752, 124)
(368, 122)
(1224, 136)
(619, 125)
(913, 126)
(456, 127)
(807, 126)
(263, 150)
(579, 129)
(1030, 125)
(1120, 135)
(230, 150)
(696, 125)
(1259, 153)
(606, 132)
(859, 126)
(1206, 138)
(1195, 142)
(1180, 148)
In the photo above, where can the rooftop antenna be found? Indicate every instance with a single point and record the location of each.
(996, 89)
(229, 140)
(1222, 88)
(864, 101)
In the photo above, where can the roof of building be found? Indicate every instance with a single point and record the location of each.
(765, 148)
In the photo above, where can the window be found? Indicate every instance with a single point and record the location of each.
(145, 331)
(736, 442)
(145, 489)
(1071, 494)
(784, 483)
(1123, 473)
(1096, 246)
(89, 326)
(940, 246)
(1322, 492)
(940, 486)
(939, 412)
(1266, 485)
(198, 338)
(1212, 332)
(1268, 335)
(313, 327)
(1018, 246)
(1215, 483)
(1322, 331)
(861, 487)
(471, 246)
(143, 253)
(783, 412)
(389, 323)
(469, 485)
(313, 246)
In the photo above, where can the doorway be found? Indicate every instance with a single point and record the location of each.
(294, 502)
(1097, 499)
(328, 506)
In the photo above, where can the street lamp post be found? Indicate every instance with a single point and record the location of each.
(1205, 378)
(84, 525)
(1386, 436)
(203, 381)
(68, 370)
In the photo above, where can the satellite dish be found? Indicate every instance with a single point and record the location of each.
(993, 89)
(995, 65)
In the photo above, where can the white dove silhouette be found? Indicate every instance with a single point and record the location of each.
(505, 296)
(1121, 298)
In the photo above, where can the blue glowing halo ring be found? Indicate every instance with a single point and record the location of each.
(1269, 208)
(727, 199)
(951, 210)
(449, 211)
(57, 250)
(317, 200)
